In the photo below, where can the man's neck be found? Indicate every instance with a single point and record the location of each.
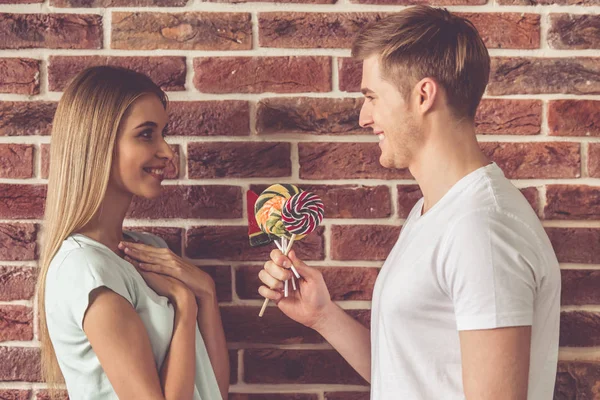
(445, 159)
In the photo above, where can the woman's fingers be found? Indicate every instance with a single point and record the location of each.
(277, 272)
(162, 253)
(269, 293)
(269, 280)
(143, 256)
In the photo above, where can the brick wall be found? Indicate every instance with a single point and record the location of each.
(265, 92)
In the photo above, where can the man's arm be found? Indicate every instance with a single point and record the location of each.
(311, 306)
(349, 337)
(495, 363)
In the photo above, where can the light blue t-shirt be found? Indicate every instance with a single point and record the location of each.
(82, 265)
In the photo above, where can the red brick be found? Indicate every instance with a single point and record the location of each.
(344, 161)
(231, 243)
(172, 236)
(580, 287)
(45, 395)
(363, 242)
(577, 380)
(117, 3)
(338, 30)
(594, 160)
(15, 394)
(349, 201)
(347, 395)
(572, 202)
(574, 118)
(52, 31)
(309, 115)
(16, 323)
(311, 30)
(18, 242)
(18, 2)
(207, 201)
(298, 367)
(547, 2)
(576, 245)
(278, 1)
(570, 31)
(233, 366)
(241, 324)
(408, 195)
(262, 74)
(45, 155)
(17, 283)
(167, 72)
(239, 160)
(273, 396)
(209, 118)
(16, 161)
(417, 2)
(350, 74)
(536, 160)
(507, 30)
(509, 117)
(19, 76)
(579, 329)
(20, 364)
(26, 118)
(183, 31)
(344, 283)
(221, 274)
(22, 201)
(531, 75)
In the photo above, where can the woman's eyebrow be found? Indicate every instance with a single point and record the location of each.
(147, 123)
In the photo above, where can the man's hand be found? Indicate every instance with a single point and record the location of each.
(310, 303)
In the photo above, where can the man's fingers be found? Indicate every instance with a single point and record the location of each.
(278, 258)
(277, 272)
(269, 281)
(269, 293)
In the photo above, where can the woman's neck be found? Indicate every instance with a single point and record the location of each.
(106, 226)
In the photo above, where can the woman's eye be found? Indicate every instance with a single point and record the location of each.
(147, 134)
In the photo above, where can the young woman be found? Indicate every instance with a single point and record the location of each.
(121, 316)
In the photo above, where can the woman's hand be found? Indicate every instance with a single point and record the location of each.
(164, 262)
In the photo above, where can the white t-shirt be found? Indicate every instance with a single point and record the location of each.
(478, 259)
(82, 265)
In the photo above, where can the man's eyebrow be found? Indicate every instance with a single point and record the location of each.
(147, 123)
(366, 90)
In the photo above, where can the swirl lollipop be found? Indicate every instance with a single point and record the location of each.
(301, 214)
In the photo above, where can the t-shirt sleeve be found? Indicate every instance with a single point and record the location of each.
(488, 270)
(83, 271)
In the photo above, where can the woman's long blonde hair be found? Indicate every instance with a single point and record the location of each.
(83, 139)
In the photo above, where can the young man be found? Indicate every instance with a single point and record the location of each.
(467, 303)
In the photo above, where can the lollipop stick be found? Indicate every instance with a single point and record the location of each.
(293, 282)
(285, 289)
(288, 247)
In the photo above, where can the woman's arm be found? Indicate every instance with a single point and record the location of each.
(163, 261)
(121, 343)
(211, 328)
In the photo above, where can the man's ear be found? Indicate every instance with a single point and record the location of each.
(427, 91)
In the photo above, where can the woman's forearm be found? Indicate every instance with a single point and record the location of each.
(211, 328)
(178, 371)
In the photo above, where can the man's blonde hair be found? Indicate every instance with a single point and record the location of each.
(426, 42)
